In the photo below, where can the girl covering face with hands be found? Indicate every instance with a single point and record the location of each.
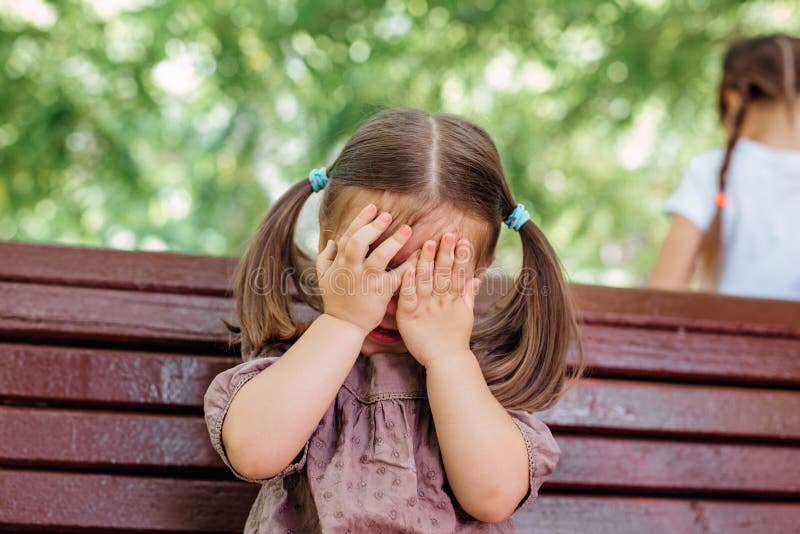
(393, 409)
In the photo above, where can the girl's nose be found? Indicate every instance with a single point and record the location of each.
(391, 309)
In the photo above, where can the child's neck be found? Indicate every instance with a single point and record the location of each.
(768, 123)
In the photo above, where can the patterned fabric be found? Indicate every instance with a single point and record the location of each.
(373, 464)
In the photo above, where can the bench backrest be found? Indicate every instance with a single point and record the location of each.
(688, 420)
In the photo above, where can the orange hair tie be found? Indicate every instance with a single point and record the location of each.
(721, 199)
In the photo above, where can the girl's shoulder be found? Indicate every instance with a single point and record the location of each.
(705, 165)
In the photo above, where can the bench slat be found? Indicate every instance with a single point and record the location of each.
(64, 500)
(692, 356)
(94, 378)
(151, 443)
(74, 501)
(678, 409)
(183, 273)
(147, 380)
(104, 268)
(42, 312)
(635, 515)
(104, 440)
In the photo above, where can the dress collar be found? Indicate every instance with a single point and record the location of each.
(385, 375)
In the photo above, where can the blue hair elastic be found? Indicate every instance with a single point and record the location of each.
(318, 178)
(518, 217)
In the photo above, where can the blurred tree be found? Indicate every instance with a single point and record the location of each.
(159, 124)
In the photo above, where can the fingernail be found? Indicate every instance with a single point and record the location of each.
(330, 241)
(385, 217)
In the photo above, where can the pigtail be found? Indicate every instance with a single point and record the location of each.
(710, 252)
(272, 270)
(524, 345)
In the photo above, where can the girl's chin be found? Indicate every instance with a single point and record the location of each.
(372, 346)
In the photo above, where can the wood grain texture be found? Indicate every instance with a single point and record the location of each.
(688, 419)
(41, 500)
(45, 312)
(79, 501)
(184, 273)
(638, 408)
(104, 268)
(613, 514)
(107, 377)
(105, 440)
(144, 443)
(699, 357)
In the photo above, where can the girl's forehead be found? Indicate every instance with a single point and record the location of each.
(432, 226)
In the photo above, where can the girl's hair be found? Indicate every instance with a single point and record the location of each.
(416, 162)
(763, 68)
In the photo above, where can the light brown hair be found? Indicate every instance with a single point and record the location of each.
(763, 68)
(423, 160)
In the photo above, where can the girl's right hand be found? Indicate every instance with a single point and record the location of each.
(358, 289)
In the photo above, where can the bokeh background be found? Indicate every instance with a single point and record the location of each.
(171, 125)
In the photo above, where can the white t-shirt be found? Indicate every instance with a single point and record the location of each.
(760, 223)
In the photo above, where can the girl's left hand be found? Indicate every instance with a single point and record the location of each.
(436, 301)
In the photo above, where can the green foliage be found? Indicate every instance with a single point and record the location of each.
(171, 125)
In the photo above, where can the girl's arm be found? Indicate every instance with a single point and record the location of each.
(676, 259)
(273, 415)
(484, 454)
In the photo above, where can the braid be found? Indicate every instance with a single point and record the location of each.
(711, 245)
(788, 69)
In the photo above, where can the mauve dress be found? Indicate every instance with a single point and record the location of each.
(373, 463)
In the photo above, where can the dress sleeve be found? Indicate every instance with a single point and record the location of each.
(543, 451)
(694, 197)
(218, 399)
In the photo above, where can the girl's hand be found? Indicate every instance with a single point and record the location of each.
(436, 302)
(355, 289)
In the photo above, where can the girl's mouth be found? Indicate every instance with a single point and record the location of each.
(385, 336)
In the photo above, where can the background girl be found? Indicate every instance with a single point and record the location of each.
(736, 212)
(388, 411)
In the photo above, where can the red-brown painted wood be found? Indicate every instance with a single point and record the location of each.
(677, 309)
(42, 312)
(612, 514)
(87, 377)
(170, 272)
(638, 408)
(40, 500)
(691, 356)
(72, 501)
(610, 352)
(604, 405)
(679, 424)
(627, 465)
(100, 440)
(98, 267)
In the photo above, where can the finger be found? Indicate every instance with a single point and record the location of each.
(443, 267)
(395, 276)
(424, 270)
(325, 258)
(471, 292)
(365, 216)
(358, 245)
(407, 300)
(383, 253)
(463, 266)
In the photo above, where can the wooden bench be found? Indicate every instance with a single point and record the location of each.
(688, 420)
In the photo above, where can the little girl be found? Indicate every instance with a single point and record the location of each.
(388, 411)
(736, 212)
